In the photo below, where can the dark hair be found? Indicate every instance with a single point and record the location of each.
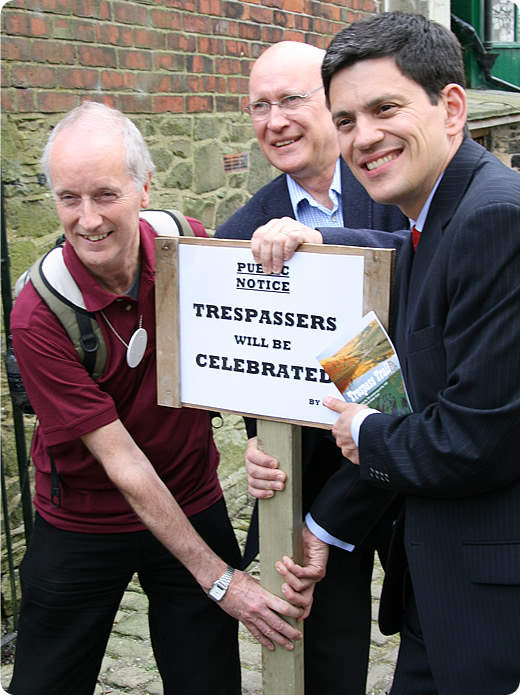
(424, 51)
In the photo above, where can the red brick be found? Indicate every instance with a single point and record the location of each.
(207, 44)
(274, 3)
(179, 42)
(235, 10)
(152, 82)
(16, 23)
(164, 104)
(199, 104)
(200, 64)
(227, 104)
(252, 32)
(107, 99)
(77, 78)
(224, 27)
(53, 52)
(26, 100)
(293, 36)
(33, 76)
(237, 85)
(56, 102)
(282, 19)
(210, 7)
(237, 49)
(113, 34)
(135, 103)
(98, 9)
(116, 80)
(129, 14)
(8, 100)
(262, 15)
(196, 24)
(97, 56)
(134, 60)
(303, 22)
(226, 66)
(15, 49)
(169, 61)
(149, 38)
(186, 5)
(66, 28)
(293, 6)
(180, 84)
(272, 34)
(165, 19)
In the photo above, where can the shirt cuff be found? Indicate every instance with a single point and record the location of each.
(326, 537)
(357, 421)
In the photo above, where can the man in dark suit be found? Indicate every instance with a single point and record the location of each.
(316, 189)
(394, 84)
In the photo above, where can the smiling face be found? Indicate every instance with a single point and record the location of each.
(395, 141)
(302, 144)
(98, 203)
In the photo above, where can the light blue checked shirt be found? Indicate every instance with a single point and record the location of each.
(313, 214)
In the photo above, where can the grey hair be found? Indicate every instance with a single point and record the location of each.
(138, 160)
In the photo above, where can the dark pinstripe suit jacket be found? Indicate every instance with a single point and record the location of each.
(457, 458)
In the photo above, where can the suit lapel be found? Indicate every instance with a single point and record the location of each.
(413, 266)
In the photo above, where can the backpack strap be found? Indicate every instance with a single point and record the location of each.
(167, 222)
(52, 280)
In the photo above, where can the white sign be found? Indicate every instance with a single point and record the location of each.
(249, 341)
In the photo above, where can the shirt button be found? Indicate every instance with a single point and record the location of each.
(128, 307)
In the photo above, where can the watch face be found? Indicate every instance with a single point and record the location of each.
(217, 592)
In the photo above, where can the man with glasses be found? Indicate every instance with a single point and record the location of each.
(316, 190)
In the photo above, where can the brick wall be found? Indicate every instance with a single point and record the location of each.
(141, 56)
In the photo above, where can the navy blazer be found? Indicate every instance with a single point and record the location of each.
(321, 457)
(456, 459)
(272, 201)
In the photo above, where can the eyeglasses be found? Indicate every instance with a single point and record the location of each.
(260, 110)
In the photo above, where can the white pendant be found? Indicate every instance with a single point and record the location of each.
(136, 347)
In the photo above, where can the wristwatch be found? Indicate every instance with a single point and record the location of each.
(219, 588)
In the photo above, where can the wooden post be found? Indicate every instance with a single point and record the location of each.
(280, 525)
(167, 321)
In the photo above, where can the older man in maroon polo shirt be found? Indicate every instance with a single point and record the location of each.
(138, 483)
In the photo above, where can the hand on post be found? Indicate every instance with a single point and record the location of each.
(261, 612)
(275, 242)
(301, 580)
(263, 476)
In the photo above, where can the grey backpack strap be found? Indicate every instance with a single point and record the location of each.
(52, 280)
(167, 222)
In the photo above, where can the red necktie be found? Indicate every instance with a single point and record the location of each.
(416, 235)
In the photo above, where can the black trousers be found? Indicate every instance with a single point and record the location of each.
(72, 584)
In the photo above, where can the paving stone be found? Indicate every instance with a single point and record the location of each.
(128, 677)
(124, 647)
(134, 625)
(134, 601)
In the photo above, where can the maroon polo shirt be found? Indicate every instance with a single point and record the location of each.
(69, 404)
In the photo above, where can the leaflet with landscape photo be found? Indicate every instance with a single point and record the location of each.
(364, 366)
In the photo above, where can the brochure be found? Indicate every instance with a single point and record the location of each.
(365, 368)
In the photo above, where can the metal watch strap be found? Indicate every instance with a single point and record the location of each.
(219, 588)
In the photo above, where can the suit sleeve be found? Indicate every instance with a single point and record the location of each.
(463, 366)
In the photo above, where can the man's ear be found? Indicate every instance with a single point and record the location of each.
(145, 198)
(454, 98)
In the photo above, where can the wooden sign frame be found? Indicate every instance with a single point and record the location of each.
(378, 269)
